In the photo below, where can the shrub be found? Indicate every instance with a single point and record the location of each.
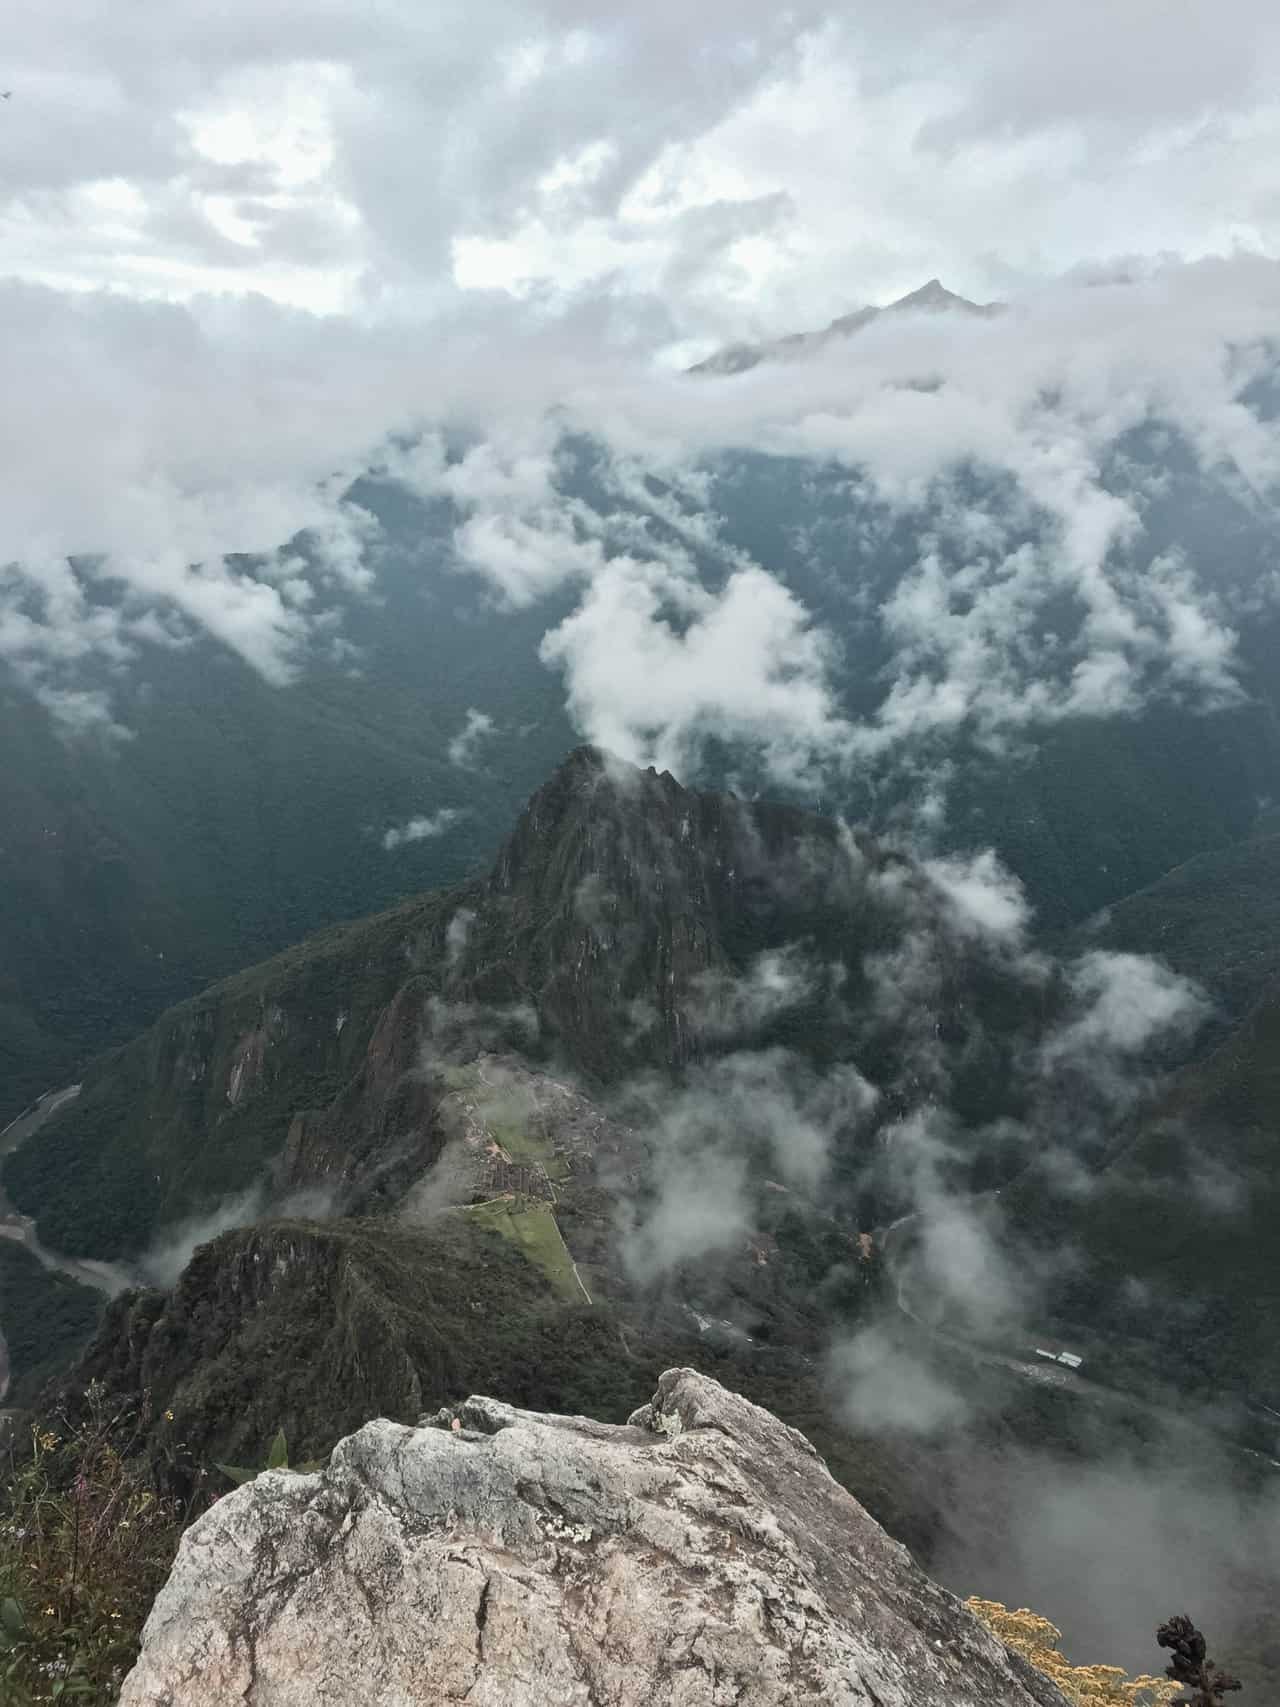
(1087, 1686)
(1190, 1667)
(85, 1544)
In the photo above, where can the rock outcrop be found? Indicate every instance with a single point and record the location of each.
(702, 1554)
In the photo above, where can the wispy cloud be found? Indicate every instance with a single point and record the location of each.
(464, 747)
(421, 829)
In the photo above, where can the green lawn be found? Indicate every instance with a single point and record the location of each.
(531, 1227)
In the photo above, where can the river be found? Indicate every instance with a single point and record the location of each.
(103, 1276)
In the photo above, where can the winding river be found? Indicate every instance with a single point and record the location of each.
(103, 1276)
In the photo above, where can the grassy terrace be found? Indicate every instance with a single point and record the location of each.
(531, 1227)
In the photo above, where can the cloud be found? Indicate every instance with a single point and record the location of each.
(645, 152)
(458, 1031)
(163, 1262)
(423, 829)
(983, 898)
(702, 1211)
(79, 712)
(456, 934)
(725, 1005)
(247, 263)
(714, 1136)
(1124, 1004)
(175, 477)
(1107, 1550)
(881, 1386)
(465, 745)
(654, 665)
(1036, 590)
(1035, 587)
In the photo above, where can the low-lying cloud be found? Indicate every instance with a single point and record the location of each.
(883, 1386)
(163, 1262)
(464, 748)
(1022, 457)
(764, 1118)
(423, 829)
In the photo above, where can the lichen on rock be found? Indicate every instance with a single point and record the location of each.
(699, 1556)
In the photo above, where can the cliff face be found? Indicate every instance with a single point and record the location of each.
(201, 1105)
(700, 1555)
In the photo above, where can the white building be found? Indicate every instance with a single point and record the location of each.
(1067, 1358)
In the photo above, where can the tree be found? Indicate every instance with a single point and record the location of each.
(1189, 1666)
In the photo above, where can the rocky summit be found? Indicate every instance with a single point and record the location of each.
(700, 1554)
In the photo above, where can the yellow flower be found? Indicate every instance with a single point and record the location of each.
(168, 1416)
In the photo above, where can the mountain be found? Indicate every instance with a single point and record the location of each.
(930, 298)
(689, 958)
(647, 1094)
(685, 957)
(628, 924)
(1172, 1234)
(238, 816)
(221, 818)
(1171, 1278)
(1215, 918)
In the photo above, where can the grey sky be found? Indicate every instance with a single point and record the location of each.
(244, 245)
(745, 163)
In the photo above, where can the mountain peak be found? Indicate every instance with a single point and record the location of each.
(933, 297)
(929, 295)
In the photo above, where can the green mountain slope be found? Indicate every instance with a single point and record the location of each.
(1215, 919)
(240, 816)
(611, 932)
(1173, 1274)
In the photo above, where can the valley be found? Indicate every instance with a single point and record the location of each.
(640, 855)
(639, 1097)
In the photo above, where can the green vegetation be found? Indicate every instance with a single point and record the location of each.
(47, 1317)
(530, 1225)
(86, 1541)
(314, 1328)
(241, 816)
(277, 1459)
(1215, 919)
(522, 1144)
(155, 1134)
(1177, 1234)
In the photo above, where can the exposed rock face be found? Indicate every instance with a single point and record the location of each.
(931, 298)
(700, 1555)
(617, 909)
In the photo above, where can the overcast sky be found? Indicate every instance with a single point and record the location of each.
(243, 244)
(738, 163)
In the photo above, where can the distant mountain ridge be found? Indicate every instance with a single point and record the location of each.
(241, 817)
(930, 298)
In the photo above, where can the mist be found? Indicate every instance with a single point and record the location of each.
(164, 1260)
(1110, 1551)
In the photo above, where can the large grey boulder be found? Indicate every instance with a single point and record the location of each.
(700, 1556)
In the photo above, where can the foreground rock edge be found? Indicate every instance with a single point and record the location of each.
(699, 1555)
